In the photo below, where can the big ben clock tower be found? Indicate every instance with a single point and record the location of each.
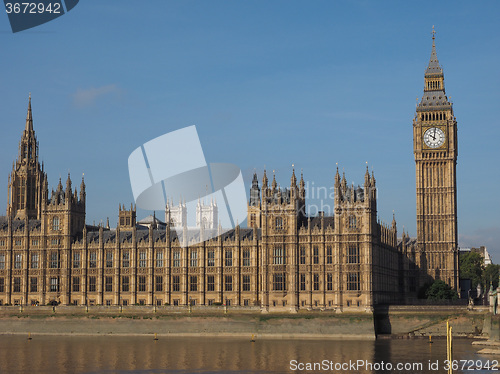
(436, 148)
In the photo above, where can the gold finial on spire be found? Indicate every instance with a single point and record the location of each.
(433, 33)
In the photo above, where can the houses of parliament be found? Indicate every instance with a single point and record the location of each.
(283, 260)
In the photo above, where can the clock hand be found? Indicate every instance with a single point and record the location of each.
(434, 137)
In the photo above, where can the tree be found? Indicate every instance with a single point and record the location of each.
(440, 290)
(490, 274)
(471, 267)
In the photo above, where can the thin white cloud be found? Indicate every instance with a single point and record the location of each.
(87, 97)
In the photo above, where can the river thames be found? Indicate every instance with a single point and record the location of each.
(133, 354)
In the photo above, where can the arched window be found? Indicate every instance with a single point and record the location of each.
(55, 224)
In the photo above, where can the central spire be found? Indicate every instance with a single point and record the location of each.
(433, 68)
(29, 116)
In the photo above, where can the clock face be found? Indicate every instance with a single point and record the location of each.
(434, 137)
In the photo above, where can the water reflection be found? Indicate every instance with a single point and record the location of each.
(113, 354)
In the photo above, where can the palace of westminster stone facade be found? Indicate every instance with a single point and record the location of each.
(284, 260)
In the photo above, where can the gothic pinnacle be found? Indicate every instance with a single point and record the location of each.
(29, 116)
(294, 178)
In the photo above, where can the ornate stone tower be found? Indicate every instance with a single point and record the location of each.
(254, 205)
(206, 214)
(27, 178)
(436, 148)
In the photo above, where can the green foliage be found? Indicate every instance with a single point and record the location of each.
(440, 290)
(490, 274)
(471, 267)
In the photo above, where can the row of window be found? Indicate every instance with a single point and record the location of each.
(352, 255)
(142, 261)
(34, 242)
(125, 284)
(279, 283)
(279, 256)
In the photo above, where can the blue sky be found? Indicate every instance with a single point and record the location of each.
(268, 84)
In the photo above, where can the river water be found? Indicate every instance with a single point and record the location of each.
(113, 354)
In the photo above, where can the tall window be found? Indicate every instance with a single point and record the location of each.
(126, 259)
(176, 284)
(109, 259)
(302, 255)
(279, 282)
(2, 285)
(329, 282)
(353, 255)
(210, 283)
(279, 223)
(316, 282)
(33, 284)
(228, 259)
(211, 258)
(125, 283)
(142, 259)
(55, 224)
(34, 260)
(353, 282)
(159, 258)
(177, 259)
(18, 261)
(193, 283)
(193, 258)
(2, 261)
(92, 284)
(315, 255)
(108, 284)
(246, 257)
(93, 259)
(54, 284)
(352, 222)
(76, 284)
(17, 284)
(159, 283)
(76, 260)
(302, 282)
(329, 255)
(142, 283)
(54, 260)
(278, 256)
(246, 283)
(228, 283)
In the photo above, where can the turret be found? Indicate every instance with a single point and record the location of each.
(302, 189)
(68, 190)
(254, 192)
(82, 190)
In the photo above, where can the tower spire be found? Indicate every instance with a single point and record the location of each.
(29, 116)
(433, 68)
